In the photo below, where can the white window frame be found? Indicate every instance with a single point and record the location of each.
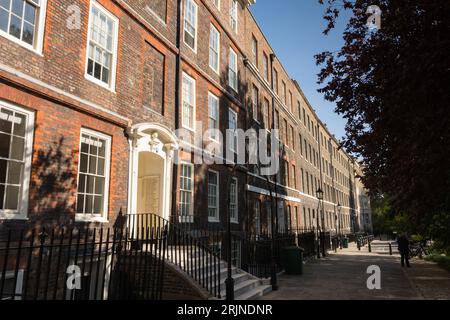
(217, 50)
(112, 85)
(216, 218)
(255, 104)
(217, 120)
(265, 66)
(190, 217)
(196, 24)
(184, 125)
(217, 4)
(39, 33)
(22, 212)
(231, 111)
(233, 68)
(255, 51)
(235, 219)
(266, 107)
(236, 250)
(234, 15)
(103, 218)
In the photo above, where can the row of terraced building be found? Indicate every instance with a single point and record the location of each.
(92, 91)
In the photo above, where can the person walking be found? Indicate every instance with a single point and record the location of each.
(403, 248)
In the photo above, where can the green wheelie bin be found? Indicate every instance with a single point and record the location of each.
(292, 260)
(345, 242)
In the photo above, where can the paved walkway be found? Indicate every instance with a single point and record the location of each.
(342, 276)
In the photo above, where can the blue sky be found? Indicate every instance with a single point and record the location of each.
(294, 30)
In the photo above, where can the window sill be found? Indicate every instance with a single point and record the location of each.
(21, 43)
(234, 221)
(13, 216)
(89, 218)
(100, 83)
(212, 220)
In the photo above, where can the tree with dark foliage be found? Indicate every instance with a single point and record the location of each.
(392, 85)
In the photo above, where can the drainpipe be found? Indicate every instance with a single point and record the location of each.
(273, 276)
(177, 110)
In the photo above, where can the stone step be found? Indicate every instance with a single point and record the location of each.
(242, 287)
(255, 293)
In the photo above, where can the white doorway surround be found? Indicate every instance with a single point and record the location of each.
(152, 148)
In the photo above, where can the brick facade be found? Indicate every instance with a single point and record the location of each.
(54, 86)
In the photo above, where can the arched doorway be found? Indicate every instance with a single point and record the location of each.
(152, 150)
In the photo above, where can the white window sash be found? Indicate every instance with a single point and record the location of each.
(255, 102)
(232, 73)
(189, 192)
(22, 210)
(213, 114)
(39, 28)
(214, 49)
(232, 125)
(191, 19)
(188, 102)
(115, 36)
(214, 218)
(104, 216)
(234, 218)
(233, 15)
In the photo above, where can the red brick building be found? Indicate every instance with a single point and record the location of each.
(92, 91)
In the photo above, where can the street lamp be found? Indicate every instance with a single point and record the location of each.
(319, 194)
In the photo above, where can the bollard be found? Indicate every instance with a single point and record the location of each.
(370, 247)
(390, 249)
(358, 243)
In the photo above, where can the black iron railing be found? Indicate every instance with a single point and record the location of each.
(83, 263)
(192, 250)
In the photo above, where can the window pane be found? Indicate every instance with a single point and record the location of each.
(101, 166)
(99, 185)
(97, 70)
(83, 162)
(4, 20)
(92, 164)
(81, 183)
(17, 7)
(5, 120)
(15, 26)
(105, 75)
(12, 198)
(90, 68)
(18, 146)
(30, 13)
(84, 143)
(102, 148)
(88, 205)
(14, 172)
(2, 193)
(98, 204)
(80, 203)
(20, 124)
(4, 145)
(3, 164)
(28, 33)
(5, 3)
(93, 146)
(90, 184)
